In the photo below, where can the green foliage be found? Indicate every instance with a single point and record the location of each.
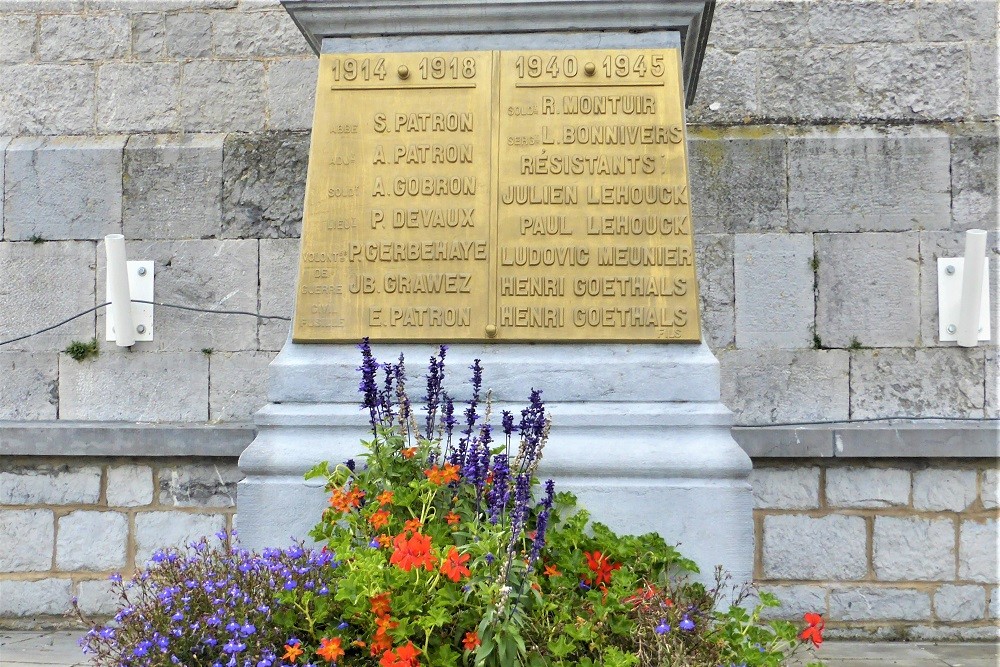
(593, 598)
(81, 350)
(855, 344)
(36, 239)
(207, 351)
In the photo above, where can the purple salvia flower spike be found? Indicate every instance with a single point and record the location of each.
(368, 386)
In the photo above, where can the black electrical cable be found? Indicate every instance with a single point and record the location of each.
(155, 303)
(214, 312)
(846, 422)
(59, 324)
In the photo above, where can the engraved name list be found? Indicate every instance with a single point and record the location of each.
(514, 196)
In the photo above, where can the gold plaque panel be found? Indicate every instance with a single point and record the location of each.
(515, 196)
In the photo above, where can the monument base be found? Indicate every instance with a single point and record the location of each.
(638, 434)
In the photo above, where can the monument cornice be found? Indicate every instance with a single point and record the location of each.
(321, 19)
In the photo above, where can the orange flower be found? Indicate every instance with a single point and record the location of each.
(329, 649)
(413, 525)
(552, 571)
(535, 586)
(409, 452)
(444, 475)
(384, 498)
(380, 519)
(384, 540)
(384, 624)
(471, 641)
(452, 518)
(292, 651)
(343, 502)
(412, 552)
(814, 632)
(382, 642)
(380, 604)
(453, 566)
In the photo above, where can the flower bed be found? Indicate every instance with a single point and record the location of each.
(442, 547)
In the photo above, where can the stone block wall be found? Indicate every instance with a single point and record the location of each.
(68, 523)
(898, 549)
(814, 314)
(831, 164)
(905, 549)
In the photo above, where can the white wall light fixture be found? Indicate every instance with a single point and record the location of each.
(127, 281)
(964, 293)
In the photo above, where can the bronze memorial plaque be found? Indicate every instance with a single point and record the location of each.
(501, 195)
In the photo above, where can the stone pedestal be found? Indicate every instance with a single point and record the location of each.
(638, 434)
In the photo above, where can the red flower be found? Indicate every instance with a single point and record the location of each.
(330, 649)
(814, 632)
(453, 566)
(601, 568)
(645, 594)
(404, 656)
(471, 641)
(412, 552)
(452, 518)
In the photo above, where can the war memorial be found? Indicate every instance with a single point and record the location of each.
(726, 240)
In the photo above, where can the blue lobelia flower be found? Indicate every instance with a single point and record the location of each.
(686, 624)
(663, 628)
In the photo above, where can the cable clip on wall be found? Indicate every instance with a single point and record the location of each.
(964, 293)
(127, 282)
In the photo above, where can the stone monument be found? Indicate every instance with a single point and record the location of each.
(510, 178)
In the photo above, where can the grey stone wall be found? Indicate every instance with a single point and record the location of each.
(831, 164)
(818, 300)
(902, 549)
(68, 523)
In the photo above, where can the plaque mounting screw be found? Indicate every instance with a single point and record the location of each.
(491, 331)
(141, 271)
(141, 329)
(589, 69)
(403, 72)
(950, 270)
(952, 328)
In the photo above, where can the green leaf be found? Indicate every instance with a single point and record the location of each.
(561, 647)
